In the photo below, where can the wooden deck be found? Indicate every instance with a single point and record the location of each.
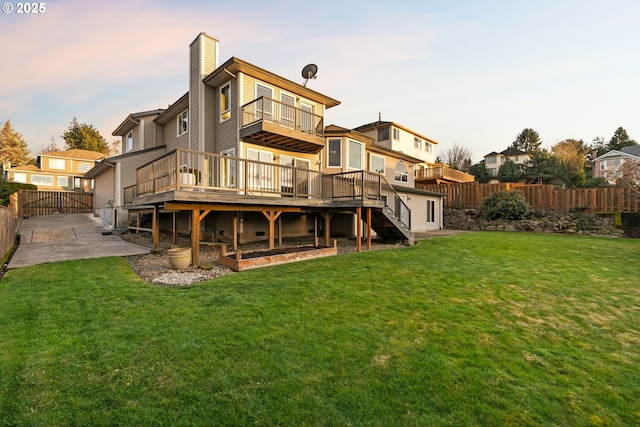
(218, 183)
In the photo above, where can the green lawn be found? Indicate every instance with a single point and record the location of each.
(478, 329)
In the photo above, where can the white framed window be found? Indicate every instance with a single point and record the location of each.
(417, 143)
(334, 153)
(288, 110)
(225, 102)
(63, 181)
(307, 121)
(431, 211)
(42, 180)
(183, 122)
(491, 159)
(428, 147)
(396, 133)
(20, 177)
(401, 173)
(259, 175)
(129, 142)
(264, 107)
(57, 164)
(77, 182)
(85, 167)
(355, 154)
(377, 163)
(228, 169)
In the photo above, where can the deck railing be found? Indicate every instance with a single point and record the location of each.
(366, 185)
(285, 115)
(194, 170)
(441, 172)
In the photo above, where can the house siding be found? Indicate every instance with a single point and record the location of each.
(417, 203)
(226, 135)
(103, 187)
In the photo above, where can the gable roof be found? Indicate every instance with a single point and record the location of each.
(633, 150)
(512, 151)
(76, 153)
(131, 119)
(383, 124)
(236, 65)
(624, 152)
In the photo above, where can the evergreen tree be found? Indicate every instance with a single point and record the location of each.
(528, 140)
(480, 171)
(84, 137)
(509, 172)
(12, 147)
(620, 139)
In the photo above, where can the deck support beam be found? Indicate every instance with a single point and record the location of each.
(368, 229)
(327, 225)
(271, 216)
(196, 217)
(358, 229)
(155, 226)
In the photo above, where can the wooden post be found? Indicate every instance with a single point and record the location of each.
(271, 216)
(369, 229)
(175, 229)
(235, 231)
(327, 224)
(358, 229)
(155, 226)
(280, 231)
(195, 236)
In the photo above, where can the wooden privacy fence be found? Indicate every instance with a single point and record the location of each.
(33, 203)
(8, 225)
(542, 197)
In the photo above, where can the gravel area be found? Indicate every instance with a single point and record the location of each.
(155, 268)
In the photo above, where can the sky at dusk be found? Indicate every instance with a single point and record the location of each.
(469, 72)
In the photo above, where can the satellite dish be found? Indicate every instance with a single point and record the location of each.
(309, 72)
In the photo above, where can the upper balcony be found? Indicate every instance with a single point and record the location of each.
(441, 174)
(274, 124)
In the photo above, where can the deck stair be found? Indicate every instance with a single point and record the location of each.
(389, 227)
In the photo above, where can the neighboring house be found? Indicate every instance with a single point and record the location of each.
(244, 156)
(608, 165)
(58, 171)
(494, 160)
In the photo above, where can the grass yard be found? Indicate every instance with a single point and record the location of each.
(477, 329)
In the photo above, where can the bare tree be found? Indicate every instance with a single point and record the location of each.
(458, 157)
(628, 175)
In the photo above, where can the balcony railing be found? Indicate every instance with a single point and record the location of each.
(288, 116)
(444, 173)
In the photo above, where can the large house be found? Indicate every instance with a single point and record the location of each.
(245, 155)
(493, 160)
(58, 170)
(608, 165)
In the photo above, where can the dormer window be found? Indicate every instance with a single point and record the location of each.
(183, 122)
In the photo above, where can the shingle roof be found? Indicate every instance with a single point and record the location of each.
(634, 150)
(512, 151)
(76, 153)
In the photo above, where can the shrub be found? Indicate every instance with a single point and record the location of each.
(505, 205)
(7, 188)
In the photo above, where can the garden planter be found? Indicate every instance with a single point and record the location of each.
(179, 258)
(247, 261)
